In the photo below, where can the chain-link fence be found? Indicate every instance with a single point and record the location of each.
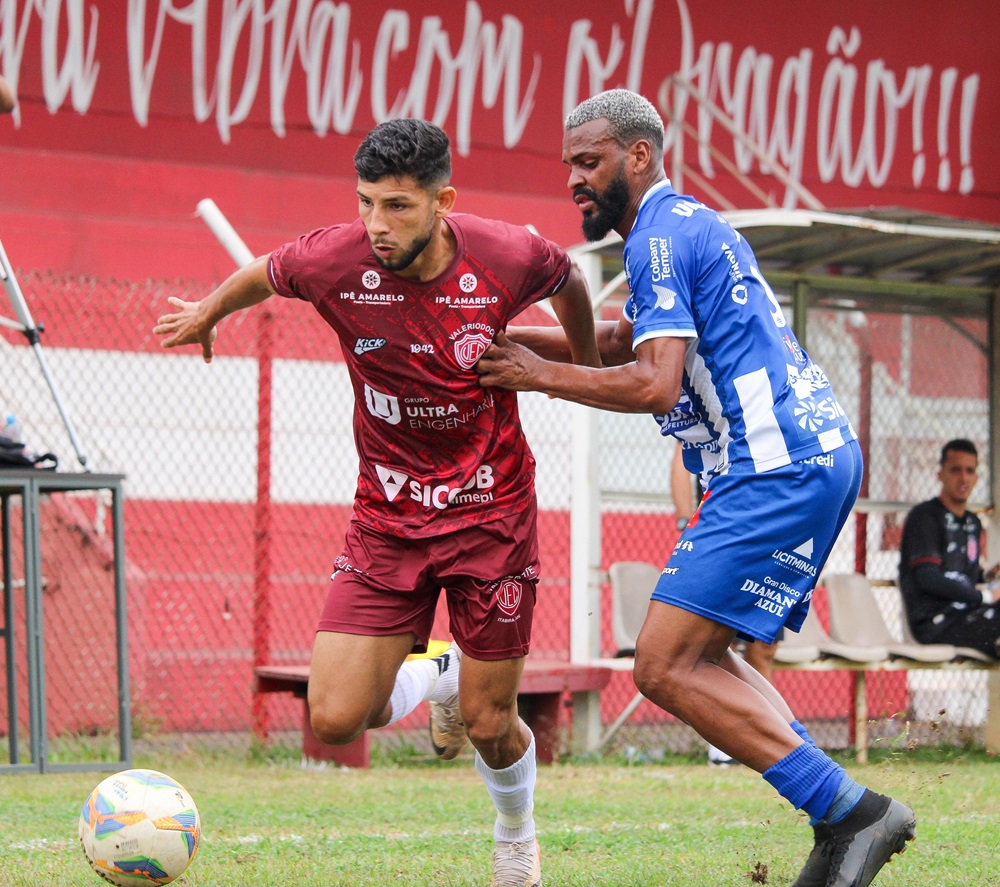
(910, 381)
(229, 542)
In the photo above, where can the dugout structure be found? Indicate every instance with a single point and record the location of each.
(900, 308)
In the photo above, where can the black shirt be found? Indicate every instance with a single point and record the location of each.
(939, 562)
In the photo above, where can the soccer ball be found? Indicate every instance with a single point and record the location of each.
(139, 827)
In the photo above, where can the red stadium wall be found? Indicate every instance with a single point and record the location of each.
(129, 115)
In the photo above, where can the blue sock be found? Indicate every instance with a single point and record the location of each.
(807, 778)
(845, 799)
(801, 731)
(848, 792)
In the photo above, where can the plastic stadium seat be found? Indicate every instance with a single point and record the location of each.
(632, 584)
(855, 617)
(804, 645)
(813, 636)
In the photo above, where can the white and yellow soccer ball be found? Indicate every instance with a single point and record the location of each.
(139, 827)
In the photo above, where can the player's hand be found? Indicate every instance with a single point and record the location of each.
(186, 327)
(507, 365)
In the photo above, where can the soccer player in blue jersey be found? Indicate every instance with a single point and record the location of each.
(704, 346)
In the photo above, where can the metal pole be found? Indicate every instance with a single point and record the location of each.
(262, 521)
(241, 255)
(33, 626)
(8, 630)
(585, 517)
(121, 628)
(585, 550)
(857, 325)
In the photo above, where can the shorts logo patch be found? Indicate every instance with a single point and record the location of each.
(797, 560)
(805, 549)
(509, 596)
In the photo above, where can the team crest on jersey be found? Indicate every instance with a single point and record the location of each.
(509, 593)
(468, 283)
(469, 348)
(371, 279)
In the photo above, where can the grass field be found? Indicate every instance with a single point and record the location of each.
(428, 824)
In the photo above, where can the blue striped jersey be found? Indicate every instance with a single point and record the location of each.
(751, 398)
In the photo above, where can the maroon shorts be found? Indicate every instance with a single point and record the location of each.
(385, 585)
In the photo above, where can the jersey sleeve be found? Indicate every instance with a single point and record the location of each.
(546, 269)
(661, 267)
(289, 266)
(923, 536)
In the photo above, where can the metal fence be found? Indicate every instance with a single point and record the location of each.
(240, 475)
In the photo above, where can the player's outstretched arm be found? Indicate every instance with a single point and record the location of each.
(649, 384)
(7, 98)
(194, 323)
(614, 342)
(549, 342)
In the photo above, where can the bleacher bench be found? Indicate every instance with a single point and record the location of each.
(548, 688)
(860, 670)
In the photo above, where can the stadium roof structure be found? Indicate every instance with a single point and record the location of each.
(885, 259)
(899, 259)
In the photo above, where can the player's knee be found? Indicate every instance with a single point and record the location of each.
(488, 728)
(657, 682)
(335, 725)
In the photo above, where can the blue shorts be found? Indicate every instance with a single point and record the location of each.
(751, 555)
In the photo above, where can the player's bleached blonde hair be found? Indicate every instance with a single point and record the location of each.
(630, 116)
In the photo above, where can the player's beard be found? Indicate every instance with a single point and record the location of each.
(407, 257)
(611, 207)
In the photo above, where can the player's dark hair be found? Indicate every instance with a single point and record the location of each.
(401, 148)
(959, 445)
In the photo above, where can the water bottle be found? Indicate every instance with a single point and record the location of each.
(12, 429)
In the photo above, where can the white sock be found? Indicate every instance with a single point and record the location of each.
(445, 684)
(415, 681)
(512, 791)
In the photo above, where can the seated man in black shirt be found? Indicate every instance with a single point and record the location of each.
(939, 571)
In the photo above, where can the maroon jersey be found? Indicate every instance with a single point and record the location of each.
(437, 451)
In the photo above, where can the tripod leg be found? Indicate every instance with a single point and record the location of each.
(26, 325)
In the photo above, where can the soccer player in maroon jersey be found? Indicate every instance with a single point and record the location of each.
(445, 496)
